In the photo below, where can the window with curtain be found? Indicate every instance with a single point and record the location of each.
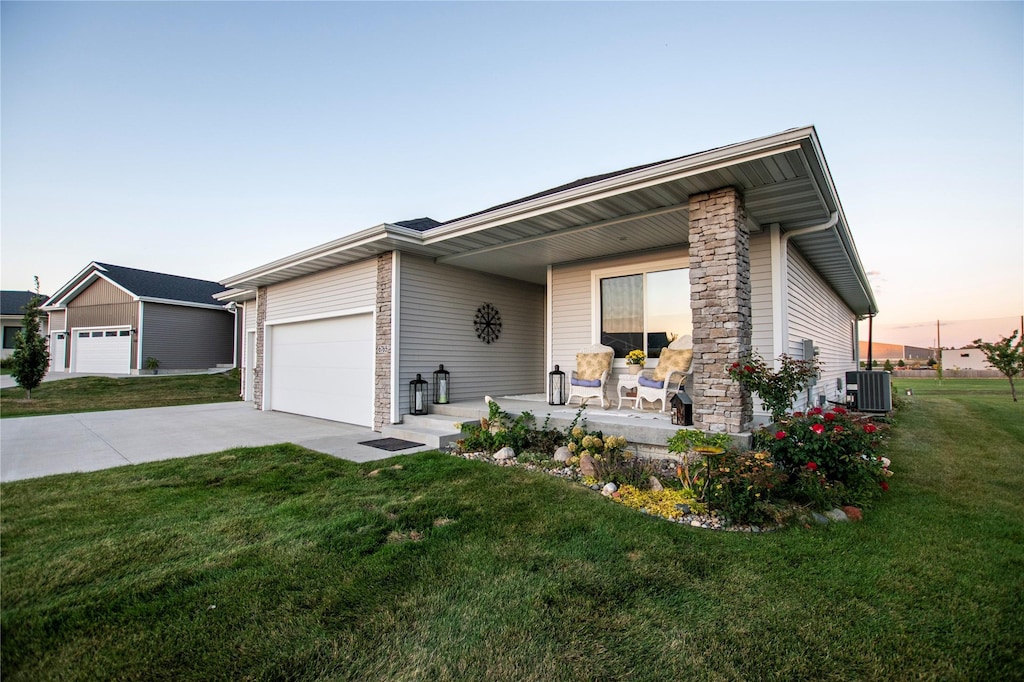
(648, 310)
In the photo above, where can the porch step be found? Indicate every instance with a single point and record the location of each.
(433, 430)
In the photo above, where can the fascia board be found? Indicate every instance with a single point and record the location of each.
(80, 286)
(184, 304)
(236, 295)
(60, 293)
(379, 234)
(672, 170)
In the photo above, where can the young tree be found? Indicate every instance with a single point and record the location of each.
(1006, 355)
(887, 366)
(31, 358)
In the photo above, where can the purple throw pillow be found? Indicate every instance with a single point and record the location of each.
(650, 383)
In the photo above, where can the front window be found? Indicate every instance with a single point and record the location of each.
(10, 333)
(647, 310)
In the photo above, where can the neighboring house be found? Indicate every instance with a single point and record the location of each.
(964, 358)
(109, 319)
(744, 247)
(12, 310)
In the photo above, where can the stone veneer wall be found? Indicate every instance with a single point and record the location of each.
(257, 367)
(382, 357)
(720, 300)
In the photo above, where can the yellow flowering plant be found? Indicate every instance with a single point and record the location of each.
(636, 357)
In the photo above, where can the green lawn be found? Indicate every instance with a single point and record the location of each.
(280, 563)
(92, 394)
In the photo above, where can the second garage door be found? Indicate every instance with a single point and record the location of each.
(102, 351)
(323, 368)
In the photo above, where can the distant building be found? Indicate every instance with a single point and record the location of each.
(892, 351)
(964, 358)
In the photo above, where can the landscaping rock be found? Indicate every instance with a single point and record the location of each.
(505, 453)
(853, 513)
(608, 489)
(836, 515)
(656, 485)
(587, 467)
(819, 519)
(562, 454)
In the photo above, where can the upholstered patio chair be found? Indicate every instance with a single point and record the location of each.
(593, 367)
(675, 368)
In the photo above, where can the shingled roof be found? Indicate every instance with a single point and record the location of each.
(146, 284)
(13, 302)
(142, 284)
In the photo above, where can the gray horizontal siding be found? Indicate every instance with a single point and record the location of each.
(182, 337)
(437, 308)
(816, 312)
(249, 311)
(339, 289)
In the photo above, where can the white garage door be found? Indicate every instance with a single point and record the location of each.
(324, 368)
(102, 351)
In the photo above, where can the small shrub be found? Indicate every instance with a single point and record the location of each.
(745, 486)
(500, 429)
(545, 439)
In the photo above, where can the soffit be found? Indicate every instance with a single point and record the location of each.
(777, 189)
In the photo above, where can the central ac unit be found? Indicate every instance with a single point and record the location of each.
(869, 391)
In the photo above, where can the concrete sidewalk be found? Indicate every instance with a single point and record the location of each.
(89, 441)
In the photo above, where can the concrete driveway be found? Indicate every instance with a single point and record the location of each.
(89, 441)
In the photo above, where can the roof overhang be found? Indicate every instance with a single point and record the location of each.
(783, 178)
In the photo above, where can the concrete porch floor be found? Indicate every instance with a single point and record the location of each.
(647, 431)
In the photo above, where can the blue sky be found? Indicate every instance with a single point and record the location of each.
(204, 139)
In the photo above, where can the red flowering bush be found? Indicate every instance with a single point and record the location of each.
(833, 458)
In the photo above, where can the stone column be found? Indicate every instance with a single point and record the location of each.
(257, 367)
(382, 357)
(720, 301)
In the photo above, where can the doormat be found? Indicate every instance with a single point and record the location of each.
(391, 444)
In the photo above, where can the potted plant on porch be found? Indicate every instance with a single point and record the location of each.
(635, 360)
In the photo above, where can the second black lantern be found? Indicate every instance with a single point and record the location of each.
(442, 385)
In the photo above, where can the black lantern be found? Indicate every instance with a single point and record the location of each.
(682, 409)
(441, 384)
(556, 387)
(418, 396)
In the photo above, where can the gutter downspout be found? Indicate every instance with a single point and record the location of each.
(780, 280)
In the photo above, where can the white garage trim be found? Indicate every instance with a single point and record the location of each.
(112, 349)
(353, 382)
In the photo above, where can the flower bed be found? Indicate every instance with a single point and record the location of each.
(802, 470)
